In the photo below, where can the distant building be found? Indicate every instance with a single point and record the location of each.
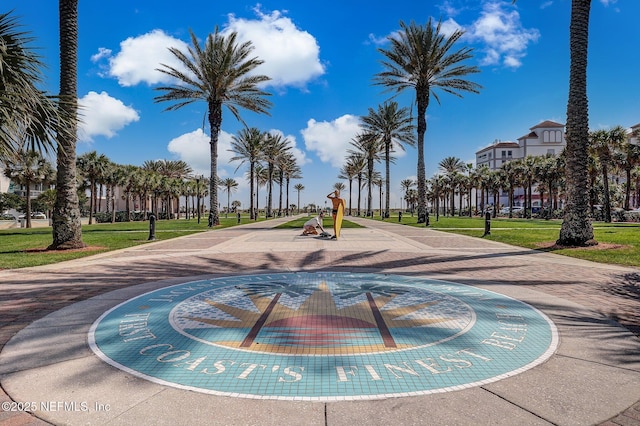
(544, 138)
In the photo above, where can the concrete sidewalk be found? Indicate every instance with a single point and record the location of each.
(592, 378)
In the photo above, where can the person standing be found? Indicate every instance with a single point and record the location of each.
(336, 202)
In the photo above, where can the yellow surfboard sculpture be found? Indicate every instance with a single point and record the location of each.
(339, 217)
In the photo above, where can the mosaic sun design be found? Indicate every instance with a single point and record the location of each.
(333, 317)
(323, 336)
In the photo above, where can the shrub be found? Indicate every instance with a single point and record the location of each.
(632, 216)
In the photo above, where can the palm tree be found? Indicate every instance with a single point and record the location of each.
(406, 185)
(129, 174)
(511, 172)
(420, 58)
(27, 168)
(348, 172)
(359, 163)
(247, 145)
(529, 164)
(299, 187)
(576, 227)
(261, 180)
(452, 166)
(629, 158)
(92, 167)
(603, 143)
(220, 74)
(289, 169)
(273, 148)
(394, 129)
(67, 229)
(370, 148)
(27, 115)
(229, 185)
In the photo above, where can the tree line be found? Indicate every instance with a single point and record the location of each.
(420, 58)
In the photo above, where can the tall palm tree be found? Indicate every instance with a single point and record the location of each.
(299, 187)
(273, 148)
(229, 185)
(348, 172)
(392, 125)
(370, 147)
(27, 168)
(219, 74)
(451, 166)
(289, 169)
(27, 115)
(67, 229)
(247, 145)
(261, 180)
(576, 227)
(359, 163)
(420, 58)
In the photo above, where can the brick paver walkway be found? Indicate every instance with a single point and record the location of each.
(32, 293)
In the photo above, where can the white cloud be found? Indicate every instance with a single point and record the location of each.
(298, 154)
(546, 4)
(504, 38)
(331, 140)
(450, 26)
(194, 149)
(102, 53)
(448, 9)
(290, 55)
(139, 57)
(102, 115)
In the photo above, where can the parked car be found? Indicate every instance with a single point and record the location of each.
(516, 209)
(34, 215)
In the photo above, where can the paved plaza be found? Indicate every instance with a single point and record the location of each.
(255, 325)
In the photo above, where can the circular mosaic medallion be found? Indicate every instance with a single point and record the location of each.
(323, 336)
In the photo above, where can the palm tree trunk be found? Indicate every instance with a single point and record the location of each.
(607, 198)
(627, 189)
(252, 172)
(576, 227)
(215, 121)
(359, 191)
(369, 184)
(422, 99)
(67, 228)
(350, 189)
(387, 160)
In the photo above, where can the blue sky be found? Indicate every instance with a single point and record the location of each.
(322, 57)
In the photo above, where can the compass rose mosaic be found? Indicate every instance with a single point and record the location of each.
(323, 336)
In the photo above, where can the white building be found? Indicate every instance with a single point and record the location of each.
(544, 138)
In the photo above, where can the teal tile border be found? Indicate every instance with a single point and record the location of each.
(323, 336)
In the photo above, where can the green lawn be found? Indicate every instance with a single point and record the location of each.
(327, 224)
(619, 243)
(21, 248)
